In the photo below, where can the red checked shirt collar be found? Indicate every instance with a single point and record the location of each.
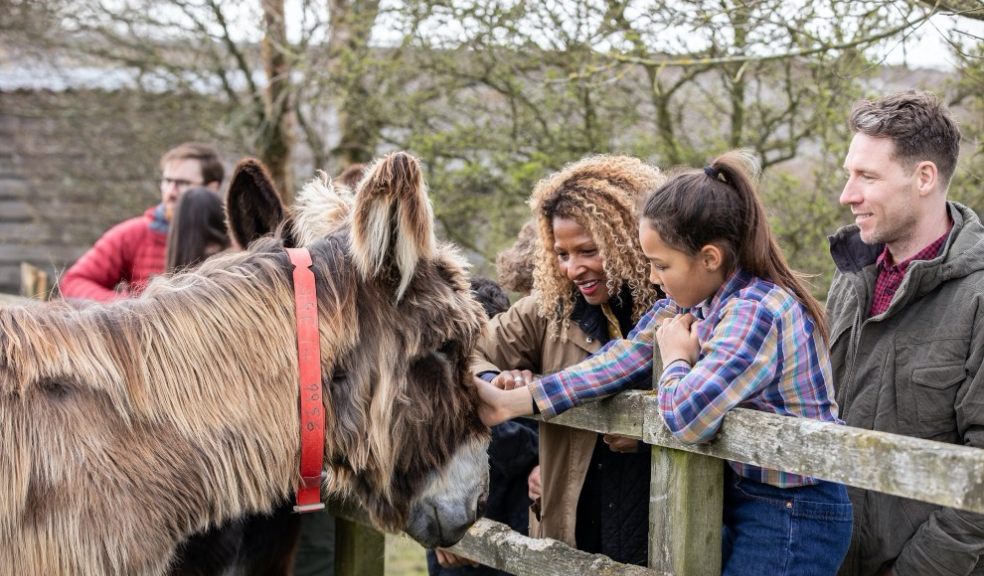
(890, 275)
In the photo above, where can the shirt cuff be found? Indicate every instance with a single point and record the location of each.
(673, 373)
(550, 396)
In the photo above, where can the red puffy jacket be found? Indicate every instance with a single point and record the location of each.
(127, 255)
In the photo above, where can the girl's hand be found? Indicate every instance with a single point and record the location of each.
(677, 339)
(512, 379)
(533, 485)
(449, 560)
(499, 405)
(621, 444)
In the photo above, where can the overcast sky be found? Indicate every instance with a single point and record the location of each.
(928, 49)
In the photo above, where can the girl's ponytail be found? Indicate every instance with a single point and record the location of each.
(719, 205)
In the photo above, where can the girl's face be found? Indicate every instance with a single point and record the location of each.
(687, 280)
(579, 259)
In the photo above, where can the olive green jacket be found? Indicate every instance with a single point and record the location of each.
(912, 370)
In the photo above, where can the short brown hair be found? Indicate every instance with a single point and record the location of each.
(208, 158)
(919, 124)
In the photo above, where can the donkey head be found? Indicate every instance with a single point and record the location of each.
(398, 325)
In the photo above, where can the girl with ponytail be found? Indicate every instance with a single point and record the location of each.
(738, 328)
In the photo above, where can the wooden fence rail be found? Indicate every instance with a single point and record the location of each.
(687, 483)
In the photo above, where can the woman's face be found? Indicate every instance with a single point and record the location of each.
(580, 260)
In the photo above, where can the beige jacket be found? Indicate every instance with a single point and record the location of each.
(518, 339)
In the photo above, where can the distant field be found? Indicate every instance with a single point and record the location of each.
(404, 557)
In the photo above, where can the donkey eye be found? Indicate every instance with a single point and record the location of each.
(448, 347)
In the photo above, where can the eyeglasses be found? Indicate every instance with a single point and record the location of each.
(168, 182)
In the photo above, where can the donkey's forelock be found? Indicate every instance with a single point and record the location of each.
(321, 208)
(392, 196)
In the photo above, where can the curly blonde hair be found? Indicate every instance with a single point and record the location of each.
(603, 194)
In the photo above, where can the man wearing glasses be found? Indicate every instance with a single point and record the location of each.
(128, 254)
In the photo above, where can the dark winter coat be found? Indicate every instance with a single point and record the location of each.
(913, 370)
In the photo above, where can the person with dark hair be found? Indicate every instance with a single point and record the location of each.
(197, 229)
(738, 328)
(590, 286)
(512, 455)
(490, 294)
(907, 314)
(127, 255)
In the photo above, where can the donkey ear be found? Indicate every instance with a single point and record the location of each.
(392, 225)
(253, 205)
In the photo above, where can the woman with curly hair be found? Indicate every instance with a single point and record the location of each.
(590, 284)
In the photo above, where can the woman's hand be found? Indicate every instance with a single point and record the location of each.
(499, 405)
(534, 487)
(622, 444)
(512, 379)
(449, 560)
(677, 339)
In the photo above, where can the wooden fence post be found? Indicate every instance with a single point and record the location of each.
(34, 282)
(686, 501)
(685, 506)
(359, 550)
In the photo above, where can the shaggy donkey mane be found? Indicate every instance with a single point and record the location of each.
(124, 428)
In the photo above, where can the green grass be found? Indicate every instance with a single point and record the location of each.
(404, 557)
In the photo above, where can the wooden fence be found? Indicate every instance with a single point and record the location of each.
(686, 491)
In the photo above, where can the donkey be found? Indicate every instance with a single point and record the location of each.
(126, 427)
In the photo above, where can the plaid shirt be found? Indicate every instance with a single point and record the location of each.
(758, 350)
(890, 276)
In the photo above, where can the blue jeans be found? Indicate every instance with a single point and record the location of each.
(769, 531)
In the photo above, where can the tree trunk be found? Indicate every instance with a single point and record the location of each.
(276, 135)
(351, 24)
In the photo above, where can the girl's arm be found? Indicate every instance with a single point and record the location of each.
(739, 359)
(498, 405)
(620, 364)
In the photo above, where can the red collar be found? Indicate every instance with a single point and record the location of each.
(309, 368)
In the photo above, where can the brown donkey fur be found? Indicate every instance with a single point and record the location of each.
(126, 427)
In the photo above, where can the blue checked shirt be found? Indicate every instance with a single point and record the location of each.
(759, 350)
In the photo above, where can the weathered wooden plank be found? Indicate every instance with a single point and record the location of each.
(685, 513)
(936, 472)
(494, 544)
(38, 254)
(621, 414)
(17, 211)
